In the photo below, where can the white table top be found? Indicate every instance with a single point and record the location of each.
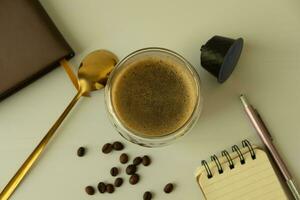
(268, 72)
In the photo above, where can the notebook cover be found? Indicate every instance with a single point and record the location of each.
(31, 45)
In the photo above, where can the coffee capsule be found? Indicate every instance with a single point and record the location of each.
(220, 55)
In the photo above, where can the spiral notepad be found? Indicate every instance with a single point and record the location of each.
(246, 173)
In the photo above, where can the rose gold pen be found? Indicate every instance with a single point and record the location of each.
(265, 136)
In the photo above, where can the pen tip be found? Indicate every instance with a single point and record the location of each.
(242, 96)
(243, 99)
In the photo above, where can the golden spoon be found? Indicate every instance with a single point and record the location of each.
(92, 75)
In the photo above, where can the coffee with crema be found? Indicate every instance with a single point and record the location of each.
(153, 96)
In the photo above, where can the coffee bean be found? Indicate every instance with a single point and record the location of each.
(107, 148)
(118, 146)
(124, 158)
(146, 161)
(81, 151)
(168, 188)
(137, 161)
(110, 188)
(134, 179)
(114, 171)
(118, 182)
(90, 190)
(130, 169)
(147, 196)
(101, 187)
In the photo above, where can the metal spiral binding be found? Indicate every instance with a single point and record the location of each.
(209, 174)
(218, 164)
(229, 159)
(236, 149)
(246, 143)
(225, 153)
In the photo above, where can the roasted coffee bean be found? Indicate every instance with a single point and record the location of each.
(118, 182)
(137, 161)
(81, 151)
(90, 190)
(110, 188)
(147, 195)
(169, 188)
(118, 146)
(107, 148)
(130, 169)
(101, 187)
(114, 171)
(134, 179)
(146, 161)
(124, 158)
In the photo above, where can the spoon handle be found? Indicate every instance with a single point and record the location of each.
(18, 177)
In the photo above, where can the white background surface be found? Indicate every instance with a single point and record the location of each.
(268, 72)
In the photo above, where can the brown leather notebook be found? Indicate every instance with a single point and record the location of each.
(30, 44)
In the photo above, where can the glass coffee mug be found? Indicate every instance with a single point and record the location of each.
(153, 97)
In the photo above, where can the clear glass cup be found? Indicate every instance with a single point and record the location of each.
(153, 141)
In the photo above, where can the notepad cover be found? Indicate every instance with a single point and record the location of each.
(30, 44)
(256, 179)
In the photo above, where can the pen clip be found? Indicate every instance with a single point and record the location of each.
(263, 124)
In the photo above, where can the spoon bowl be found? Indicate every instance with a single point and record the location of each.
(94, 70)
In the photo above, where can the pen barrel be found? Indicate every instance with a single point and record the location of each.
(292, 186)
(265, 137)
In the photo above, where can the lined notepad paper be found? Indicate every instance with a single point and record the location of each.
(255, 179)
